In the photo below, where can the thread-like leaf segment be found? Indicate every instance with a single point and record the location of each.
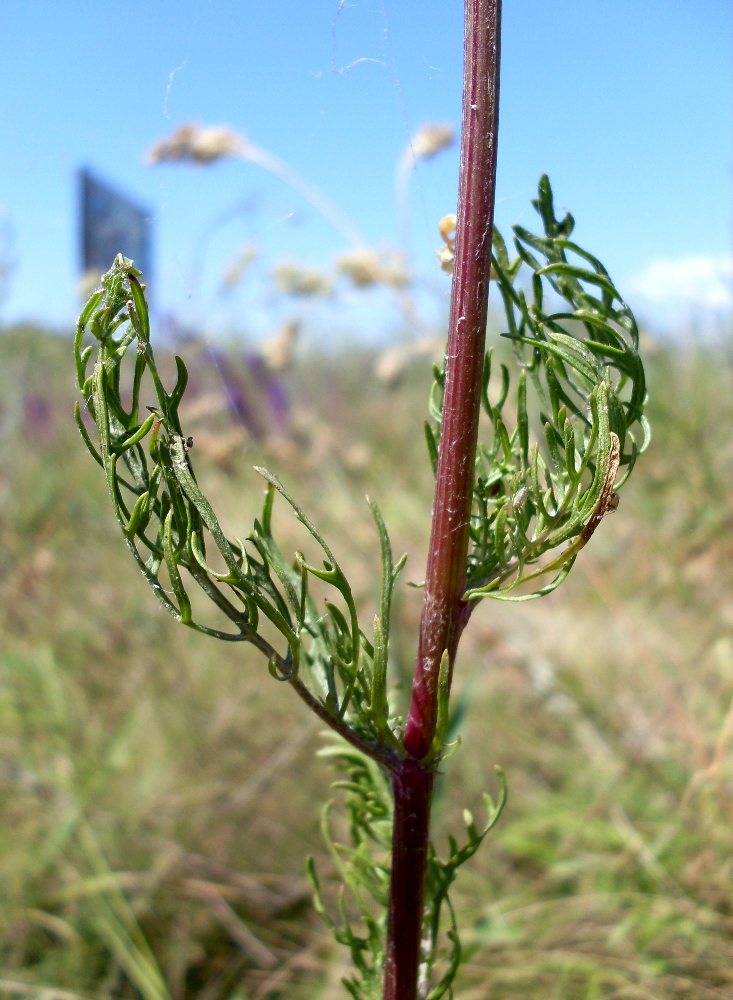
(172, 530)
(581, 388)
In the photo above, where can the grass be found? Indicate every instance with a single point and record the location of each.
(153, 824)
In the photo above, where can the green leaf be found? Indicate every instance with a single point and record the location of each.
(586, 381)
(184, 605)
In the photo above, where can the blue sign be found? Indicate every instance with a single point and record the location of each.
(110, 224)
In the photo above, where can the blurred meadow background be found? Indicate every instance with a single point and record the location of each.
(159, 791)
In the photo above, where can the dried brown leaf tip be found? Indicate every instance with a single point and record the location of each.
(608, 500)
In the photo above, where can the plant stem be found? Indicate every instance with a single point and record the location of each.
(412, 787)
(444, 611)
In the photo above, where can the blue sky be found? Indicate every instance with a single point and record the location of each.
(627, 105)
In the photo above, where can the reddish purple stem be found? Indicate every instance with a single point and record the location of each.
(444, 612)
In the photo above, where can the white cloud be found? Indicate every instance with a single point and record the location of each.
(678, 292)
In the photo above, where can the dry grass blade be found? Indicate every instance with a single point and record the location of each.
(10, 987)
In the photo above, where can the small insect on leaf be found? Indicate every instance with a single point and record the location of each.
(519, 497)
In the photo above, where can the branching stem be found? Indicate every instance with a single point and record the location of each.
(383, 755)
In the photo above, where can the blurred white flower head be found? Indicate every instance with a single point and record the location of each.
(447, 254)
(198, 144)
(431, 140)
